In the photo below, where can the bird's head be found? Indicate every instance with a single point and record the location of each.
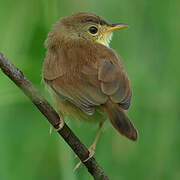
(85, 25)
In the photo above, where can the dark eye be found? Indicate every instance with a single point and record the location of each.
(93, 30)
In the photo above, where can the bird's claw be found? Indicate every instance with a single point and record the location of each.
(91, 154)
(60, 126)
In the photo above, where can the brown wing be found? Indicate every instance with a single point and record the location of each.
(87, 78)
(115, 82)
(62, 72)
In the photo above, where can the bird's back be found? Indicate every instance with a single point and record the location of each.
(87, 74)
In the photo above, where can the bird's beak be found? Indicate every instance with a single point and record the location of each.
(114, 27)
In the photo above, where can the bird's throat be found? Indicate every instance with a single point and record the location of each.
(105, 39)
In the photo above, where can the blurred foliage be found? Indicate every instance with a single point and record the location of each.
(150, 49)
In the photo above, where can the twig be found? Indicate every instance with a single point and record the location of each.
(46, 109)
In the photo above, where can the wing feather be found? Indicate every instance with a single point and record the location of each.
(86, 79)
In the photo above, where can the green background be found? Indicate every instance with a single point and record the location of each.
(150, 49)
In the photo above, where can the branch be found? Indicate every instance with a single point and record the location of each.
(46, 109)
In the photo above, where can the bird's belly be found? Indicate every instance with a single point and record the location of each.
(73, 112)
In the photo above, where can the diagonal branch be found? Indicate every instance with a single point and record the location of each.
(46, 109)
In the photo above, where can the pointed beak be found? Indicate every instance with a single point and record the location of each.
(114, 27)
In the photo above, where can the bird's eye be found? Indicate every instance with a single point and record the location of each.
(93, 30)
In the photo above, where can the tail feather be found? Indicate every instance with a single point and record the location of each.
(119, 120)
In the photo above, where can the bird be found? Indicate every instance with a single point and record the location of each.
(85, 77)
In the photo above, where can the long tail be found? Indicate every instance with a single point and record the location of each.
(119, 120)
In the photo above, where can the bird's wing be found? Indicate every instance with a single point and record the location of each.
(91, 81)
(115, 82)
(63, 75)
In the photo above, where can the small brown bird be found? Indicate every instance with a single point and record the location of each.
(86, 78)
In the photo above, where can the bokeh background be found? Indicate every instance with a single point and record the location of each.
(150, 49)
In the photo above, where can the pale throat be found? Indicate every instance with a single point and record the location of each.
(105, 39)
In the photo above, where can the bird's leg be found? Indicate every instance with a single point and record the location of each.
(61, 124)
(92, 147)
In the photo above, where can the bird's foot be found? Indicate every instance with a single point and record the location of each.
(91, 154)
(60, 126)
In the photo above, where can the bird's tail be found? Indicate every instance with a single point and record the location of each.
(119, 120)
